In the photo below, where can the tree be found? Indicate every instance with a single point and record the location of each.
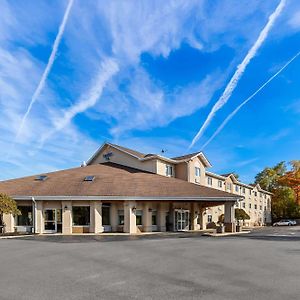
(292, 179)
(268, 177)
(7, 206)
(284, 205)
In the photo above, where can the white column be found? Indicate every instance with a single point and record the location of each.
(194, 216)
(96, 217)
(129, 217)
(9, 222)
(40, 225)
(203, 217)
(161, 215)
(229, 217)
(67, 217)
(147, 217)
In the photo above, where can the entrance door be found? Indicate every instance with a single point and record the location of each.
(50, 220)
(181, 217)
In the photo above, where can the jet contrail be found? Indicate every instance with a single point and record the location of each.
(231, 115)
(108, 68)
(48, 67)
(240, 70)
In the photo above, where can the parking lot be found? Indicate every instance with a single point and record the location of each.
(264, 264)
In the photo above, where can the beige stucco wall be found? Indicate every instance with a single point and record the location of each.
(196, 162)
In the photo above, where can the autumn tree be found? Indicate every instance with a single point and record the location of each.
(268, 177)
(7, 206)
(292, 179)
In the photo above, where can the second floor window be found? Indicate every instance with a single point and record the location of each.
(228, 186)
(236, 188)
(243, 190)
(209, 180)
(197, 171)
(219, 183)
(169, 170)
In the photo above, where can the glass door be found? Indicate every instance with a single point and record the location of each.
(181, 217)
(50, 220)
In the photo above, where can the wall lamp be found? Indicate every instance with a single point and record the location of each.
(134, 209)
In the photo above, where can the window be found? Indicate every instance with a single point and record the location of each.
(89, 178)
(25, 219)
(121, 217)
(255, 206)
(105, 214)
(228, 186)
(139, 217)
(249, 192)
(197, 171)
(260, 207)
(255, 194)
(81, 215)
(249, 205)
(41, 177)
(243, 190)
(154, 218)
(209, 218)
(244, 205)
(209, 180)
(219, 183)
(260, 195)
(236, 188)
(169, 170)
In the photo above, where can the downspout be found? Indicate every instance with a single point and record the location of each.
(34, 215)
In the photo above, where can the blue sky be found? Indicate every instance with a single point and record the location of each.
(145, 74)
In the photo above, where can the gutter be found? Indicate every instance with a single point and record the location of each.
(130, 198)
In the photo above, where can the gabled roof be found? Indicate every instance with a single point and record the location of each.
(111, 180)
(190, 156)
(143, 156)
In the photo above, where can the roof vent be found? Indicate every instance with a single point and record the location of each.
(89, 178)
(41, 177)
(83, 164)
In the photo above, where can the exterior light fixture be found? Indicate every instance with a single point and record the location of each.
(66, 207)
(150, 209)
(134, 209)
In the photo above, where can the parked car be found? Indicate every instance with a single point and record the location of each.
(285, 223)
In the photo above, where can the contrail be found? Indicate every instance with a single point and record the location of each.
(108, 68)
(51, 60)
(240, 70)
(231, 115)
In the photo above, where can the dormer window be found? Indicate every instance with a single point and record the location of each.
(41, 177)
(169, 170)
(197, 171)
(89, 178)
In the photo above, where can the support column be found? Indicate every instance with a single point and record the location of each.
(147, 217)
(129, 217)
(229, 217)
(161, 215)
(194, 216)
(202, 216)
(67, 217)
(9, 222)
(114, 217)
(40, 225)
(96, 217)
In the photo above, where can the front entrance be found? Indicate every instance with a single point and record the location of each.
(52, 220)
(181, 219)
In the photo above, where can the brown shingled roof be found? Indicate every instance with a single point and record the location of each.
(110, 180)
(133, 152)
(187, 156)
